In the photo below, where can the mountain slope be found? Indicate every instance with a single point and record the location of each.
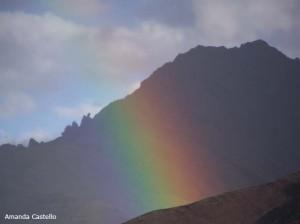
(276, 202)
(213, 120)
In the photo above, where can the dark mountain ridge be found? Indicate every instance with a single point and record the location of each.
(237, 109)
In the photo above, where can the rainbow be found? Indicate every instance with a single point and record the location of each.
(155, 166)
(158, 169)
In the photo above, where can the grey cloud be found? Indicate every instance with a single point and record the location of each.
(16, 103)
(231, 22)
(31, 51)
(78, 8)
(222, 22)
(41, 53)
(171, 12)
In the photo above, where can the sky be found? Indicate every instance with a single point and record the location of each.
(62, 59)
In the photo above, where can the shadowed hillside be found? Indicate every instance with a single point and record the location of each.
(273, 203)
(213, 120)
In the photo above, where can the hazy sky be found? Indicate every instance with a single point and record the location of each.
(61, 59)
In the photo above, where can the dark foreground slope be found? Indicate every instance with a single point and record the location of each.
(273, 203)
(235, 110)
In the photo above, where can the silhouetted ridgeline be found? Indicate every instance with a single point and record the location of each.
(232, 115)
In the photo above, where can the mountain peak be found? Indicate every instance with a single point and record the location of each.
(32, 142)
(256, 43)
(262, 48)
(86, 120)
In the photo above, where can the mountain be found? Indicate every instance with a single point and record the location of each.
(213, 120)
(272, 203)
